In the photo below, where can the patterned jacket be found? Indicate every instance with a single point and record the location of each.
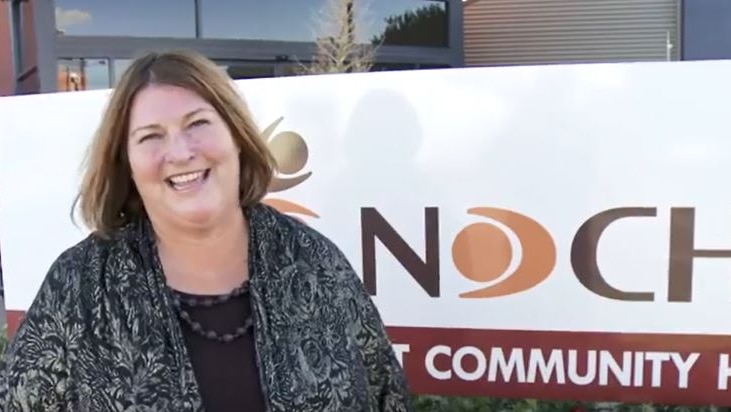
(102, 334)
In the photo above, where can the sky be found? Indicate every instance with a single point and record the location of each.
(292, 20)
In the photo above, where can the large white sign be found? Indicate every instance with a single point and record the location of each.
(553, 232)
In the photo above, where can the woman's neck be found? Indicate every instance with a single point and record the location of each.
(213, 261)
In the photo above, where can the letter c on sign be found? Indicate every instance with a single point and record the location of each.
(429, 362)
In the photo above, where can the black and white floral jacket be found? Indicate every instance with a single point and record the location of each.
(102, 334)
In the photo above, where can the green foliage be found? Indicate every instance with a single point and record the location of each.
(468, 404)
(3, 338)
(425, 26)
(463, 404)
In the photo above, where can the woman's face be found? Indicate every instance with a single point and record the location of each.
(183, 158)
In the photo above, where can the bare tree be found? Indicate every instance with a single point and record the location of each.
(337, 49)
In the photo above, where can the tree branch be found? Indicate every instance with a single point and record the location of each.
(337, 49)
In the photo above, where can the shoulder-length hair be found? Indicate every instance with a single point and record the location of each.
(108, 199)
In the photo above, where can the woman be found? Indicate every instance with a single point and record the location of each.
(190, 294)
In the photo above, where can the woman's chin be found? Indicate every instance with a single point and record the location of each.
(199, 216)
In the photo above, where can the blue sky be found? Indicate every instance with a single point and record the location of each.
(251, 19)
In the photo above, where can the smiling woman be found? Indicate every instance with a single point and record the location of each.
(186, 167)
(190, 294)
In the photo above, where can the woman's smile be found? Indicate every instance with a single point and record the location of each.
(188, 181)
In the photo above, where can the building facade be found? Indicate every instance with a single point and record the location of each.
(520, 32)
(57, 45)
(60, 45)
(507, 32)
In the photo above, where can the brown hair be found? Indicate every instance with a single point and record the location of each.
(108, 198)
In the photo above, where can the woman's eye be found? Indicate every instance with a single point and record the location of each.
(199, 122)
(149, 136)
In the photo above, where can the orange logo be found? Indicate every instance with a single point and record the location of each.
(482, 252)
(291, 153)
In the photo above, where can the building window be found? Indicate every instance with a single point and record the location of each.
(390, 22)
(139, 18)
(422, 23)
(237, 70)
(82, 74)
(381, 67)
(118, 68)
(292, 69)
(246, 70)
(284, 20)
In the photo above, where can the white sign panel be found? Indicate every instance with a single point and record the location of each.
(545, 232)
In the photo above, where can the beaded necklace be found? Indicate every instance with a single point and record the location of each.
(179, 300)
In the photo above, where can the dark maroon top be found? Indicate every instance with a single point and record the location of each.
(226, 373)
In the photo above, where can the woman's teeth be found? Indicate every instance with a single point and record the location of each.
(185, 180)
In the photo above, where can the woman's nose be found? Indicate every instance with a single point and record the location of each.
(179, 148)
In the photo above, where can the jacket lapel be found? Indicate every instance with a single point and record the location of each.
(262, 232)
(184, 383)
